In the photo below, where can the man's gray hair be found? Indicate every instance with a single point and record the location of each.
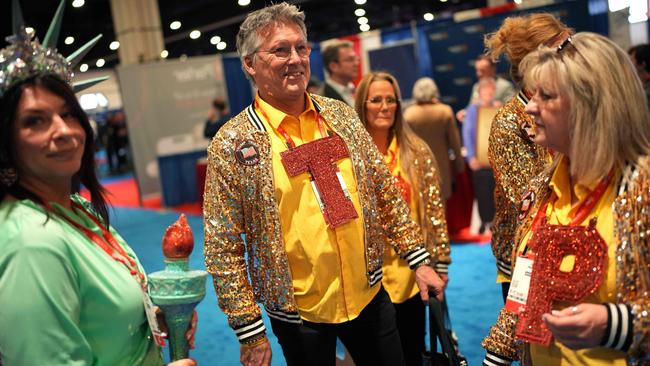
(248, 37)
(424, 90)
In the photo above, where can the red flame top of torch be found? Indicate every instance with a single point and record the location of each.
(178, 241)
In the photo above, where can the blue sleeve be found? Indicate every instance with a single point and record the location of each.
(469, 131)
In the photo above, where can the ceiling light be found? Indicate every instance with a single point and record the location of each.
(69, 40)
(243, 2)
(221, 45)
(100, 62)
(175, 25)
(78, 3)
(195, 34)
(429, 17)
(443, 1)
(364, 27)
(83, 67)
(517, 1)
(164, 54)
(362, 20)
(114, 45)
(29, 30)
(215, 40)
(359, 12)
(359, 2)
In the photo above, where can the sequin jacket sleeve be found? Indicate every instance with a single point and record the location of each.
(632, 232)
(432, 210)
(514, 160)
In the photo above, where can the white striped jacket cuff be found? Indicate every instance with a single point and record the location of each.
(442, 268)
(417, 256)
(250, 330)
(620, 327)
(492, 359)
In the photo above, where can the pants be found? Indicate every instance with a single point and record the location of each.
(505, 287)
(372, 338)
(411, 325)
(483, 181)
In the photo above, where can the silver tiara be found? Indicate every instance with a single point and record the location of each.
(26, 56)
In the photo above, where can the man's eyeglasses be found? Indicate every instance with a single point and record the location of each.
(378, 101)
(284, 52)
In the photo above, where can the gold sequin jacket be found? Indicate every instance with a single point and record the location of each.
(515, 159)
(239, 199)
(631, 211)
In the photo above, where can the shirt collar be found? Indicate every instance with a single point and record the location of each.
(274, 116)
(561, 186)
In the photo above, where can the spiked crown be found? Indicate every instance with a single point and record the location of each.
(26, 57)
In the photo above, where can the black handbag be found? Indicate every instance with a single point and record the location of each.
(449, 355)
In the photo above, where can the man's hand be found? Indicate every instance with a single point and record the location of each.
(258, 355)
(474, 164)
(428, 280)
(183, 362)
(578, 327)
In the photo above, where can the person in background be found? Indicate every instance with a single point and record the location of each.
(413, 166)
(640, 55)
(217, 117)
(513, 156)
(342, 66)
(586, 223)
(434, 122)
(72, 289)
(314, 86)
(301, 178)
(482, 178)
(486, 68)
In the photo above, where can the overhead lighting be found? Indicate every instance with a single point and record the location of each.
(359, 2)
(428, 17)
(215, 40)
(78, 3)
(221, 45)
(364, 27)
(195, 34)
(164, 54)
(69, 40)
(114, 45)
(359, 12)
(243, 2)
(175, 25)
(29, 30)
(362, 20)
(83, 67)
(100, 62)
(517, 2)
(443, 1)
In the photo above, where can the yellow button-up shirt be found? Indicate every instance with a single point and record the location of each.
(399, 279)
(561, 212)
(327, 265)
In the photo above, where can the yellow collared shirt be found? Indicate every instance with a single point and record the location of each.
(327, 265)
(399, 279)
(561, 212)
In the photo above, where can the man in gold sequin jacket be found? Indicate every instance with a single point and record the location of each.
(304, 272)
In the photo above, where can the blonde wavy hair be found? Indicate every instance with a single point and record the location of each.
(406, 138)
(518, 36)
(608, 108)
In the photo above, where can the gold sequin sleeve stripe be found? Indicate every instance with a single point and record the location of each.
(514, 160)
(501, 339)
(618, 334)
(250, 332)
(492, 359)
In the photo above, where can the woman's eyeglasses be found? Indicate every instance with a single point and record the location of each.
(378, 101)
(284, 52)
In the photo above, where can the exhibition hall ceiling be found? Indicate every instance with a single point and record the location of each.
(325, 19)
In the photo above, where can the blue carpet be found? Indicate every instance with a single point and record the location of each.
(473, 297)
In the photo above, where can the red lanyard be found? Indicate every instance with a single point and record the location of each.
(107, 243)
(290, 143)
(585, 207)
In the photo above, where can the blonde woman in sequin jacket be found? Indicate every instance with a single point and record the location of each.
(514, 158)
(588, 106)
(414, 167)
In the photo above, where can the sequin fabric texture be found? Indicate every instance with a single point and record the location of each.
(514, 160)
(632, 237)
(239, 199)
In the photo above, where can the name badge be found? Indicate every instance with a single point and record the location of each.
(149, 309)
(518, 292)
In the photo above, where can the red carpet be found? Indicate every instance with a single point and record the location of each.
(124, 193)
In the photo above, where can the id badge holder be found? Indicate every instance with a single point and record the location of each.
(520, 284)
(149, 310)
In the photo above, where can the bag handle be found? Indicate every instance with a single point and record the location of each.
(437, 327)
